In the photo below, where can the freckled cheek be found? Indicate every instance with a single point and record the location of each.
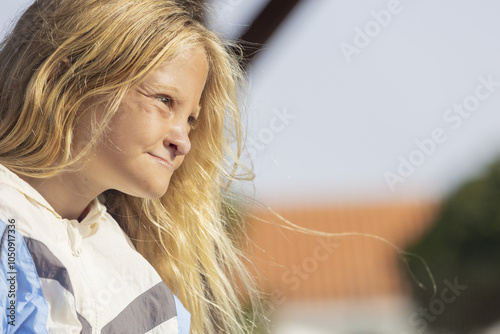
(124, 134)
(129, 130)
(122, 124)
(128, 115)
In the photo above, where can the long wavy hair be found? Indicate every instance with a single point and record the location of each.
(62, 54)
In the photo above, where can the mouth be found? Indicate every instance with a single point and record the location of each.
(163, 161)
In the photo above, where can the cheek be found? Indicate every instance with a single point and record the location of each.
(121, 123)
(130, 116)
(126, 129)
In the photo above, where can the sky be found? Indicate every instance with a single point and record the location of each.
(381, 97)
(368, 100)
(9, 11)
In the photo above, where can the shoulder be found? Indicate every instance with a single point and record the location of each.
(152, 308)
(10, 197)
(28, 215)
(15, 194)
(13, 204)
(156, 311)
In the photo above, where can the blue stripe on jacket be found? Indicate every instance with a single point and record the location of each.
(21, 296)
(183, 317)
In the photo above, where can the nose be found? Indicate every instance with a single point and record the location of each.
(178, 141)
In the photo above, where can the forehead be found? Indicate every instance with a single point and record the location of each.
(186, 65)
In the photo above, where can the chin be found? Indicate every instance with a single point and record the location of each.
(154, 192)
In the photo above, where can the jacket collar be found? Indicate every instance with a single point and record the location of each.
(97, 209)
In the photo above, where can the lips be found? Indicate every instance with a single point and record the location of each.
(163, 161)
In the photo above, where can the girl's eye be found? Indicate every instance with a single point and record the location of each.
(165, 99)
(192, 121)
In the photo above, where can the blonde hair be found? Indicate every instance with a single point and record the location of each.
(62, 54)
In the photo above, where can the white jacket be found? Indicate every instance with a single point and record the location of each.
(71, 277)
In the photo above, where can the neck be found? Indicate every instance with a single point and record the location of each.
(69, 194)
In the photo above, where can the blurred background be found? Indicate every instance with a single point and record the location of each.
(371, 117)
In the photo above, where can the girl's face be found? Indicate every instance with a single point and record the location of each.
(148, 137)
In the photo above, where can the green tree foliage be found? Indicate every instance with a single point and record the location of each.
(463, 245)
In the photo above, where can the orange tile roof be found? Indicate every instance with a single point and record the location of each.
(295, 266)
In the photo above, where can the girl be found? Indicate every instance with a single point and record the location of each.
(116, 119)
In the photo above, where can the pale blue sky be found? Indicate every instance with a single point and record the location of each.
(9, 11)
(355, 119)
(349, 122)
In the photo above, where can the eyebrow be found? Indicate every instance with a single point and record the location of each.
(166, 87)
